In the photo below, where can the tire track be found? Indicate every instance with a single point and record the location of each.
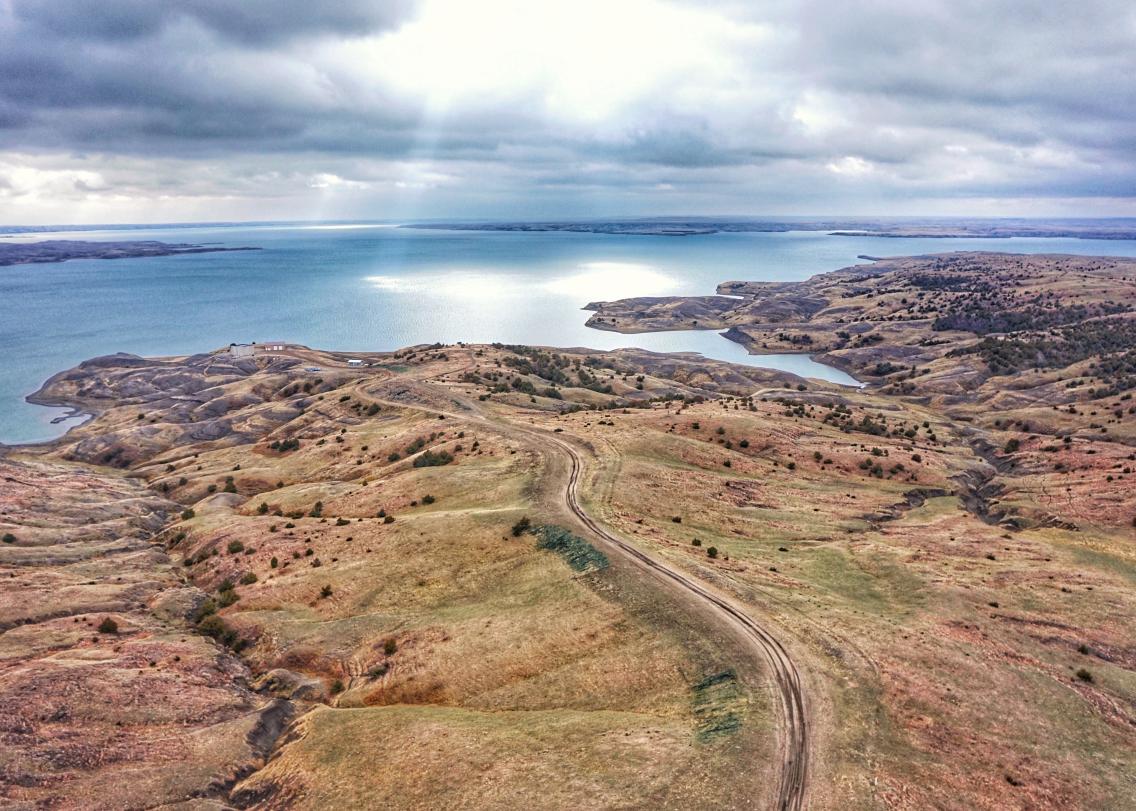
(794, 744)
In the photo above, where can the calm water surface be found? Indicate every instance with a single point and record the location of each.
(381, 288)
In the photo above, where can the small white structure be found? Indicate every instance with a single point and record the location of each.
(354, 363)
(241, 350)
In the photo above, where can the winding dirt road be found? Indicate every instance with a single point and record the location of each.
(794, 741)
(794, 746)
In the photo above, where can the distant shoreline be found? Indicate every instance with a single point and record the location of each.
(934, 229)
(1102, 228)
(62, 250)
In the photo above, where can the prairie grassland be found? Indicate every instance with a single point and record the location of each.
(963, 664)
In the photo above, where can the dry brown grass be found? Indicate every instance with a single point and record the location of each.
(448, 663)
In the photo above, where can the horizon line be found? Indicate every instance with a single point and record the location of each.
(33, 228)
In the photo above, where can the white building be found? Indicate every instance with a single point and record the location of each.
(354, 363)
(241, 350)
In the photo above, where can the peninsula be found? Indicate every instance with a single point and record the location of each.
(60, 250)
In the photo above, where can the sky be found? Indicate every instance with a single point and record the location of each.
(183, 110)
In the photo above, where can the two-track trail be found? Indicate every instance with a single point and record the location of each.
(793, 743)
(794, 746)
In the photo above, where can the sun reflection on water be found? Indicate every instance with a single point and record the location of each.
(589, 281)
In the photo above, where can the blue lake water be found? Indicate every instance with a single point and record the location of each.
(381, 288)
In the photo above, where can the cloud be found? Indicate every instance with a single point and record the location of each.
(251, 21)
(507, 108)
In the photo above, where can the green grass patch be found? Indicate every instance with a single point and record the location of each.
(579, 554)
(717, 704)
(835, 571)
(1103, 560)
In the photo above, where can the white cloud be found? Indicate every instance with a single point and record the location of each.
(850, 166)
(584, 60)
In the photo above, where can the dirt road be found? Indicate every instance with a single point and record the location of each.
(794, 745)
(794, 742)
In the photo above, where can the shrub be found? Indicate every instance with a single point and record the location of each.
(677, 519)
(521, 527)
(248, 578)
(215, 627)
(431, 459)
(712, 551)
(317, 510)
(108, 626)
(187, 514)
(325, 592)
(1084, 675)
(226, 595)
(9, 537)
(390, 647)
(341, 522)
(336, 687)
(205, 609)
(235, 546)
(696, 542)
(428, 499)
(388, 519)
(262, 509)
(274, 562)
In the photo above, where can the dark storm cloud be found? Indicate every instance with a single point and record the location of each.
(127, 77)
(788, 100)
(252, 21)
